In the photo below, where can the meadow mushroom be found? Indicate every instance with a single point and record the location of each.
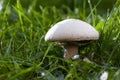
(71, 33)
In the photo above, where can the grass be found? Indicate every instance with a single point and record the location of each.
(24, 55)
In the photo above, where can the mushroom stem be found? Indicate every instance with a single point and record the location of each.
(70, 50)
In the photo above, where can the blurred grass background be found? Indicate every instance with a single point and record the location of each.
(24, 55)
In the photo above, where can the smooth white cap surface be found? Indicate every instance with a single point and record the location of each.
(71, 30)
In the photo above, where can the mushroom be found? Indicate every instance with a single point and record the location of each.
(72, 33)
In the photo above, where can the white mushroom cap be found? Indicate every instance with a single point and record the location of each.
(71, 30)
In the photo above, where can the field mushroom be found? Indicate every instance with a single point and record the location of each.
(71, 33)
